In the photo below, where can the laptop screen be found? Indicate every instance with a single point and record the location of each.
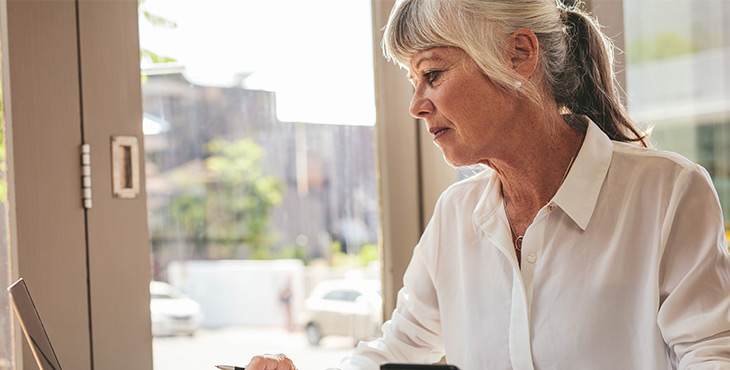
(32, 326)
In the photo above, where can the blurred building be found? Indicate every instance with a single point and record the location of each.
(328, 171)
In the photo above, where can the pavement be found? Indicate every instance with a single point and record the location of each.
(236, 346)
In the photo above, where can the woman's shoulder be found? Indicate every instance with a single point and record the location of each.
(661, 170)
(651, 159)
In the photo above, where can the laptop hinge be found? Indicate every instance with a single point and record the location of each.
(86, 175)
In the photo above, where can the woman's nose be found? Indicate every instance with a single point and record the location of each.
(420, 105)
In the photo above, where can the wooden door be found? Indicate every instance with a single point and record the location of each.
(71, 77)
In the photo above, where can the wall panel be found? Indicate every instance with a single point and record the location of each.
(41, 101)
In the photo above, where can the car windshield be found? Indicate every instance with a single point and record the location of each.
(343, 295)
(163, 296)
(163, 291)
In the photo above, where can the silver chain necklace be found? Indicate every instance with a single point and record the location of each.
(517, 239)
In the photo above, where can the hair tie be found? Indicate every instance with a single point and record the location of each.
(564, 13)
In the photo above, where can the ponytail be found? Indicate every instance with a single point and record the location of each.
(586, 84)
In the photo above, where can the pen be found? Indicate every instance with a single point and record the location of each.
(227, 367)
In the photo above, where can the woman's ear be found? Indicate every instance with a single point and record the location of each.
(523, 51)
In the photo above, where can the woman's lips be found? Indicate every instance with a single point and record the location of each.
(437, 132)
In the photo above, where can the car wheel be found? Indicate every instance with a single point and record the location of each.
(314, 335)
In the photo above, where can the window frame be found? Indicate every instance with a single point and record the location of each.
(63, 69)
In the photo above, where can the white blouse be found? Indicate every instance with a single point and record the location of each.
(627, 267)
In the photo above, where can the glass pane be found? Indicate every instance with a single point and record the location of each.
(6, 323)
(260, 160)
(678, 80)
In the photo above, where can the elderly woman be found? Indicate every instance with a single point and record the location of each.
(578, 247)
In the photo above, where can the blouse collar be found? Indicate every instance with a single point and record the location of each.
(578, 194)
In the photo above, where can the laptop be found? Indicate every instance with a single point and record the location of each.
(32, 326)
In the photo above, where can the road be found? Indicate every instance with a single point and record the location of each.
(236, 346)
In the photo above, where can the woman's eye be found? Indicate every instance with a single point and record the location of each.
(432, 76)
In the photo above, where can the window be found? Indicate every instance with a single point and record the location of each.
(260, 161)
(678, 80)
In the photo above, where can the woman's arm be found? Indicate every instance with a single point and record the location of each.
(694, 313)
(413, 334)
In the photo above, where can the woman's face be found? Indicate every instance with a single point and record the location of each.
(466, 113)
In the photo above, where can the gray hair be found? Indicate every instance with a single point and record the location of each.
(575, 60)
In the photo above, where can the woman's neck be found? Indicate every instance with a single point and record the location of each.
(535, 166)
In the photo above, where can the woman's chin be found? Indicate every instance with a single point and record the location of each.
(455, 161)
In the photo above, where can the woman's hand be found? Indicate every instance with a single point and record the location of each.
(271, 362)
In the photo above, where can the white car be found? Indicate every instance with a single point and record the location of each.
(344, 307)
(172, 312)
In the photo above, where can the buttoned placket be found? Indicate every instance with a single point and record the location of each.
(496, 227)
(532, 245)
(490, 216)
(520, 343)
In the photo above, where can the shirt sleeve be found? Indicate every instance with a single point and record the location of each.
(694, 311)
(413, 334)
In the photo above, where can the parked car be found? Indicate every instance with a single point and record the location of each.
(173, 313)
(343, 307)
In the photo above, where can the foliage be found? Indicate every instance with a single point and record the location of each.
(298, 252)
(155, 20)
(231, 205)
(159, 21)
(367, 254)
(154, 57)
(665, 45)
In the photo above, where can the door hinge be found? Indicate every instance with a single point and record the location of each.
(86, 175)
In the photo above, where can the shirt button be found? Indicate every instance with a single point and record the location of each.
(531, 257)
(551, 207)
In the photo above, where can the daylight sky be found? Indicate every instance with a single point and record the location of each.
(316, 54)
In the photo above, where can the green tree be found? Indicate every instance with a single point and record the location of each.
(231, 205)
(154, 20)
(368, 253)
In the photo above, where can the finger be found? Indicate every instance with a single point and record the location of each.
(257, 363)
(271, 362)
(284, 361)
